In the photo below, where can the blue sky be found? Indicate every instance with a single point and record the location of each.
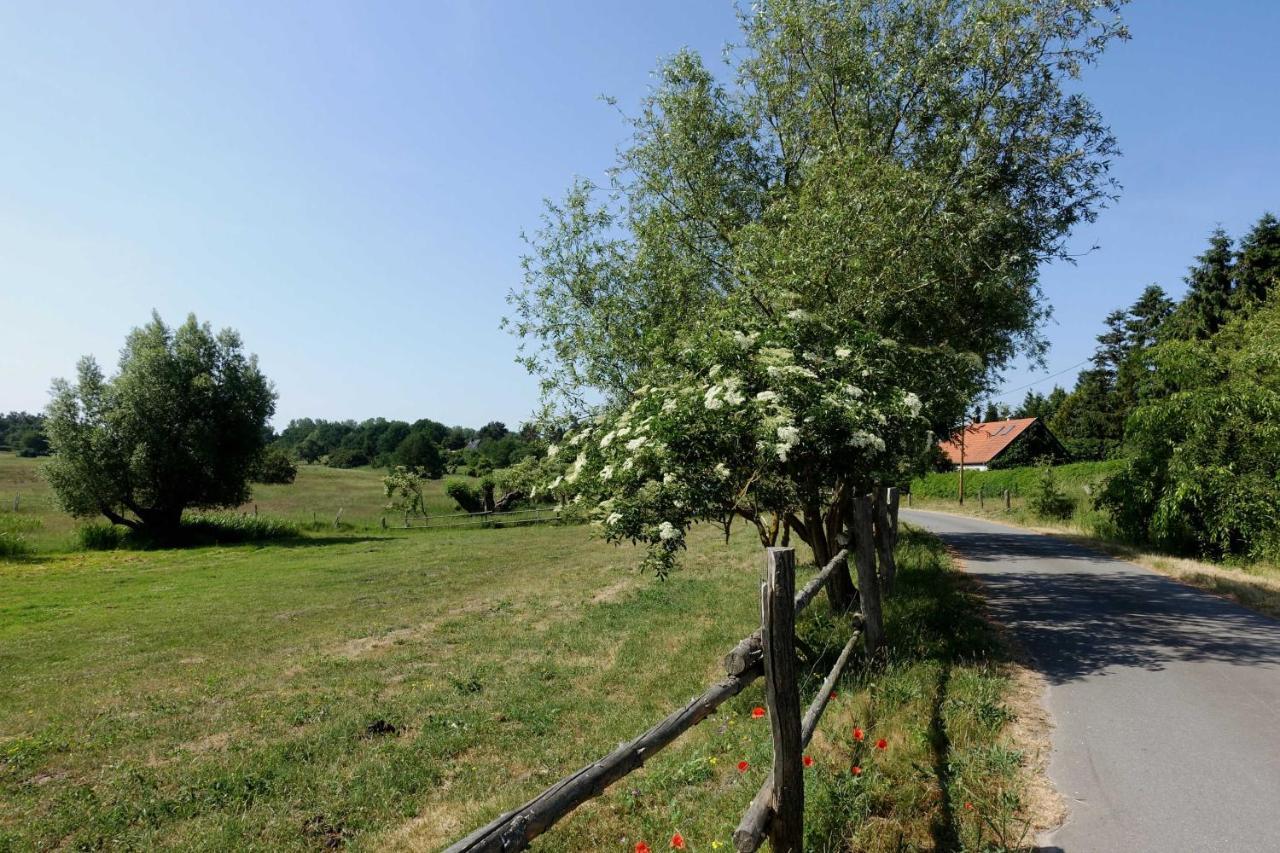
(346, 184)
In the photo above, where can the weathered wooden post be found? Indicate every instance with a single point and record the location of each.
(337, 519)
(384, 522)
(255, 510)
(864, 556)
(885, 536)
(1008, 504)
(908, 500)
(782, 696)
(982, 497)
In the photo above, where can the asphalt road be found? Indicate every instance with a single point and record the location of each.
(1165, 700)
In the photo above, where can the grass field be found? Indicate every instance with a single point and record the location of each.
(391, 691)
(317, 494)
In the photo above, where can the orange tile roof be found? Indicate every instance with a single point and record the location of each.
(983, 442)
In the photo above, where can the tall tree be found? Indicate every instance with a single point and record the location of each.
(1210, 292)
(1258, 263)
(180, 426)
(874, 192)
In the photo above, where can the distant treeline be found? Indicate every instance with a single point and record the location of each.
(426, 445)
(23, 433)
(1187, 394)
(1229, 281)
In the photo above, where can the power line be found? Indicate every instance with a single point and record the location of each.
(1043, 379)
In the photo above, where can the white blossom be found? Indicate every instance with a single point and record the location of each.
(843, 352)
(912, 402)
(606, 472)
(744, 340)
(668, 478)
(607, 440)
(767, 396)
(667, 530)
(614, 518)
(866, 439)
(712, 398)
(798, 314)
(637, 443)
(722, 470)
(715, 369)
(572, 476)
(788, 437)
(552, 451)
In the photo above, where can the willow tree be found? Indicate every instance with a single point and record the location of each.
(181, 426)
(878, 179)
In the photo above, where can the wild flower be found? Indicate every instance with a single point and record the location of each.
(667, 531)
(743, 766)
(677, 841)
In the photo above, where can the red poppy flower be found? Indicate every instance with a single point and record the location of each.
(757, 712)
(882, 744)
(677, 841)
(968, 807)
(833, 694)
(858, 734)
(743, 767)
(641, 847)
(808, 761)
(855, 770)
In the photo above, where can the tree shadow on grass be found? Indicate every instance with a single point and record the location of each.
(1080, 613)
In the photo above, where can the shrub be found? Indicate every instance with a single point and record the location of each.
(346, 457)
(13, 541)
(467, 497)
(100, 537)
(1047, 499)
(13, 544)
(275, 467)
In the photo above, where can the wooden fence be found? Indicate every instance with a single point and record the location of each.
(776, 812)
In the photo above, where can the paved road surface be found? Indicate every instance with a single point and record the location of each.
(1166, 700)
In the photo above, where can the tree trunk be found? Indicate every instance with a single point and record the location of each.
(864, 553)
(840, 589)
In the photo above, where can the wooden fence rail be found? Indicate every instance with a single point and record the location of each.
(777, 810)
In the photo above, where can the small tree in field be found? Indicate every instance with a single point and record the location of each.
(180, 426)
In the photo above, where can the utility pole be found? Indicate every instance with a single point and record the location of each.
(962, 432)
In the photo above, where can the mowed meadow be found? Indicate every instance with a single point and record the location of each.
(373, 689)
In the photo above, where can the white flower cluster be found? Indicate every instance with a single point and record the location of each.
(788, 437)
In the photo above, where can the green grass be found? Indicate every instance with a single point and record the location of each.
(1079, 481)
(313, 500)
(1072, 478)
(397, 690)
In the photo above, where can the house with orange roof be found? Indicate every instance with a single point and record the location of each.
(1002, 444)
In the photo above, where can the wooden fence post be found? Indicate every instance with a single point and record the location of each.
(982, 497)
(864, 554)
(782, 695)
(893, 512)
(1007, 503)
(884, 535)
(337, 519)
